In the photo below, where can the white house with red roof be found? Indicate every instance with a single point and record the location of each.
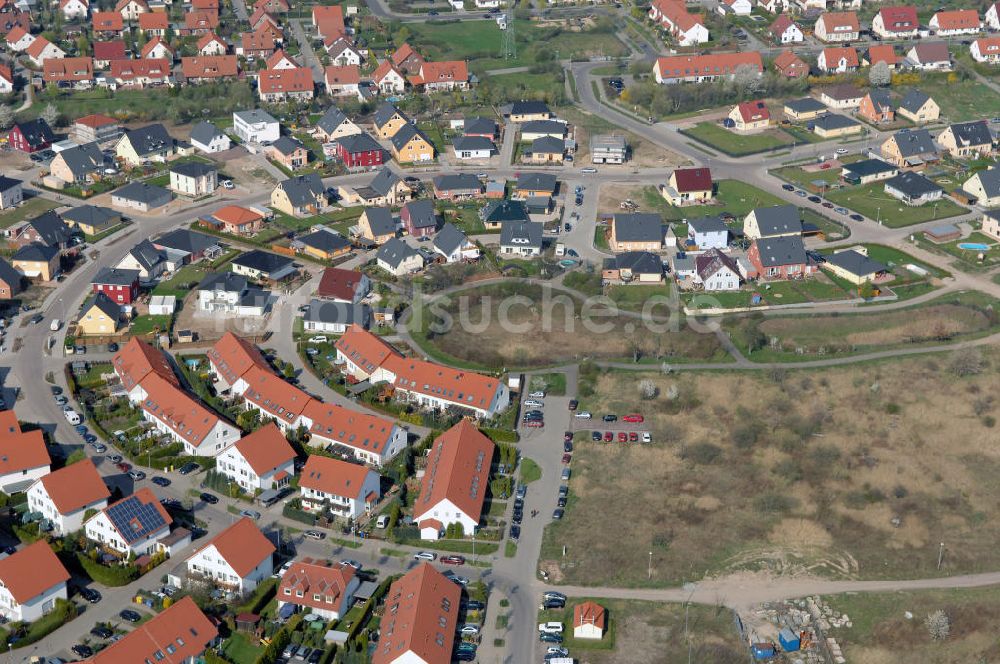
(455, 481)
(750, 115)
(388, 79)
(319, 587)
(212, 44)
(179, 634)
(64, 496)
(420, 619)
(734, 7)
(992, 16)
(370, 438)
(687, 28)
(837, 27)
(955, 22)
(340, 285)
(896, 23)
(261, 460)
(347, 489)
(785, 31)
(19, 39)
(590, 621)
(986, 49)
(238, 558)
(23, 457)
(134, 524)
(73, 9)
(6, 80)
(31, 581)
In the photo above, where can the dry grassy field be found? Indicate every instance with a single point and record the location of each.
(852, 472)
(530, 341)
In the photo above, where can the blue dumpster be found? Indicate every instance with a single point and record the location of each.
(789, 640)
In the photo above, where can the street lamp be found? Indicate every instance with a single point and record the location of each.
(650, 570)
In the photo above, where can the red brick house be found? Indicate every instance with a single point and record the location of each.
(790, 65)
(780, 258)
(31, 136)
(419, 218)
(360, 151)
(121, 286)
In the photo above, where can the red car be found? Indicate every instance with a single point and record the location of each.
(633, 437)
(634, 417)
(608, 436)
(452, 560)
(567, 458)
(622, 437)
(534, 423)
(124, 467)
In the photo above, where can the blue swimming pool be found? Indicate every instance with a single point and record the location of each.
(973, 246)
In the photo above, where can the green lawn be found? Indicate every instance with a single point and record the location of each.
(30, 208)
(530, 471)
(716, 136)
(524, 84)
(871, 201)
(179, 284)
(237, 648)
(735, 197)
(804, 179)
(967, 100)
(146, 324)
(634, 296)
(553, 384)
(990, 257)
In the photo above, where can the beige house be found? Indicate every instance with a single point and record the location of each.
(377, 224)
(967, 139)
(985, 186)
(991, 224)
(99, 316)
(37, 261)
(638, 231)
(918, 107)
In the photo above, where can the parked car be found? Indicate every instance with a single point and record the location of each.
(99, 448)
(566, 472)
(290, 651)
(533, 403)
(90, 595)
(535, 424)
(608, 436)
(788, 187)
(537, 394)
(595, 436)
(137, 475)
(424, 555)
(252, 514)
(552, 604)
(622, 437)
(351, 563)
(646, 438)
(573, 403)
(610, 418)
(856, 217)
(522, 491)
(469, 630)
(552, 627)
(583, 414)
(124, 467)
(515, 532)
(160, 481)
(314, 535)
(209, 498)
(82, 650)
(101, 632)
(128, 615)
(566, 458)
(452, 560)
(557, 651)
(633, 417)
(552, 594)
(188, 468)
(561, 501)
(318, 339)
(567, 446)
(557, 514)
(548, 637)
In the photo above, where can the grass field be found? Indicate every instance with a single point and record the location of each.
(32, 207)
(716, 136)
(882, 633)
(968, 100)
(990, 257)
(553, 384)
(633, 297)
(872, 201)
(732, 196)
(789, 472)
(818, 288)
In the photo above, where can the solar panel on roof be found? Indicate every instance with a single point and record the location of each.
(134, 519)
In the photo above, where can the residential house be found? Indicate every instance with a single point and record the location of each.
(32, 580)
(23, 455)
(208, 138)
(929, 56)
(867, 171)
(440, 76)
(133, 525)
(144, 73)
(701, 68)
(262, 265)
(896, 23)
(260, 460)
(105, 52)
(985, 187)
(368, 438)
(535, 129)
(986, 50)
(236, 220)
(454, 245)
(530, 185)
(590, 620)
(211, 44)
(140, 196)
(342, 52)
(734, 7)
(78, 164)
(790, 65)
(37, 261)
(6, 80)
(459, 186)
(95, 128)
(130, 9)
(774, 221)
(967, 139)
(406, 59)
(199, 23)
(342, 285)
(328, 20)
(119, 285)
(238, 559)
(636, 231)
(188, 245)
(716, 271)
(803, 109)
(145, 144)
(107, 24)
(377, 225)
(495, 213)
(750, 115)
(335, 317)
(342, 80)
(154, 24)
(855, 267)
(256, 126)
(842, 97)
(992, 16)
(388, 79)
(398, 258)
(347, 489)
(258, 45)
(99, 316)
(65, 495)
(837, 27)
(300, 196)
(453, 488)
(74, 9)
(149, 261)
(911, 149)
(209, 68)
(359, 151)
(324, 244)
(780, 258)
(838, 60)
(876, 106)
(913, 188)
(319, 588)
(69, 73)
(30, 136)
(784, 31)
(955, 22)
(689, 186)
(991, 223)
(181, 630)
(335, 124)
(11, 281)
(419, 218)
(545, 150)
(11, 192)
(420, 618)
(47, 228)
(673, 16)
(288, 152)
(282, 85)
(833, 125)
(526, 111)
(882, 53)
(521, 239)
(708, 233)
(639, 267)
(387, 120)
(410, 145)
(231, 293)
(367, 357)
(608, 149)
(19, 38)
(473, 147)
(41, 50)
(157, 49)
(194, 178)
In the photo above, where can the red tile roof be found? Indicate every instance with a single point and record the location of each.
(329, 20)
(237, 215)
(421, 614)
(154, 21)
(693, 179)
(339, 283)
(274, 81)
(109, 50)
(137, 359)
(242, 545)
(716, 64)
(957, 19)
(179, 633)
(883, 53)
(364, 349)
(258, 41)
(677, 14)
(32, 571)
(233, 356)
(404, 53)
(458, 470)
(5, 74)
(274, 394)
(311, 577)
(988, 45)
(20, 450)
(780, 24)
(130, 70)
(345, 75)
(791, 65)
(334, 476)
(201, 20)
(750, 111)
(590, 613)
(205, 5)
(95, 121)
(37, 47)
(178, 410)
(834, 20)
(466, 388)
(383, 70)
(74, 487)
(366, 432)
(899, 19)
(209, 66)
(265, 449)
(69, 69)
(108, 22)
(453, 71)
(152, 43)
(209, 38)
(833, 55)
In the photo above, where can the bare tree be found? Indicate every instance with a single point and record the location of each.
(879, 75)
(747, 79)
(647, 389)
(967, 362)
(50, 114)
(938, 625)
(6, 116)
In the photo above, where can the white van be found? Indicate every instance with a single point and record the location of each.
(72, 417)
(382, 521)
(54, 325)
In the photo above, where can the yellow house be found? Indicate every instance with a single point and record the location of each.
(91, 219)
(410, 145)
(918, 107)
(689, 186)
(99, 316)
(300, 196)
(376, 224)
(150, 143)
(388, 120)
(37, 261)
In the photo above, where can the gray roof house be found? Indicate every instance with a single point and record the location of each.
(380, 220)
(454, 245)
(187, 241)
(457, 185)
(324, 241)
(47, 228)
(335, 317)
(473, 147)
(497, 212)
(419, 216)
(479, 126)
(385, 112)
(147, 259)
(535, 128)
(521, 238)
(780, 251)
(914, 147)
(397, 257)
(10, 279)
(92, 216)
(259, 264)
(637, 228)
(636, 265)
(206, 137)
(777, 220)
(228, 292)
(80, 161)
(150, 141)
(140, 196)
(533, 184)
(913, 188)
(856, 264)
(383, 182)
(332, 120)
(303, 190)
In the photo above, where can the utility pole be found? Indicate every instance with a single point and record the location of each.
(650, 568)
(508, 39)
(940, 555)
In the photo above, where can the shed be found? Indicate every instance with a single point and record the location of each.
(789, 640)
(943, 233)
(162, 305)
(247, 622)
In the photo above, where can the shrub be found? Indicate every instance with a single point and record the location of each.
(774, 503)
(119, 575)
(701, 453)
